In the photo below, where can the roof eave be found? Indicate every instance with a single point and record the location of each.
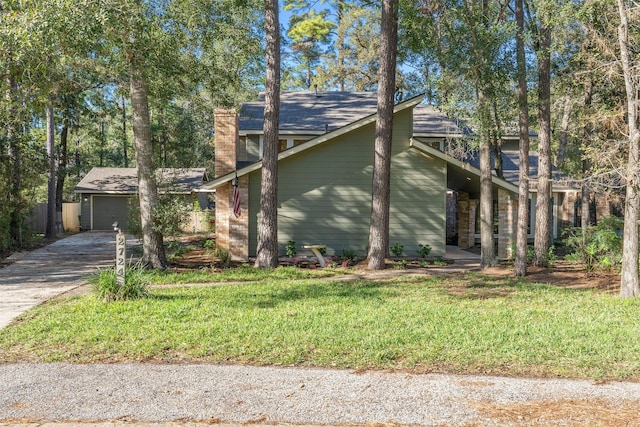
(410, 103)
(463, 165)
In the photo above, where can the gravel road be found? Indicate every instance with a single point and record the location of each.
(154, 393)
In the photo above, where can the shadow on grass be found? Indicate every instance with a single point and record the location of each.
(248, 296)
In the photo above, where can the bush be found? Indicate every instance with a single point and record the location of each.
(599, 246)
(397, 249)
(348, 257)
(423, 250)
(107, 289)
(169, 216)
(291, 249)
(223, 257)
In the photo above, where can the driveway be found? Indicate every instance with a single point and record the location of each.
(36, 276)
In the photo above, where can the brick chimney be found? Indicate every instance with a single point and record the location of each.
(232, 233)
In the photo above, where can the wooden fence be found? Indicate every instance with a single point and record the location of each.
(197, 222)
(70, 220)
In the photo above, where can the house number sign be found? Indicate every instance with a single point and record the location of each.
(121, 249)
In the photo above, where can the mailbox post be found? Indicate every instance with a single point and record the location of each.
(121, 254)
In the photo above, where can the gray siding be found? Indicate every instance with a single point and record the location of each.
(325, 194)
(85, 212)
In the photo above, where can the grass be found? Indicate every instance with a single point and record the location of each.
(463, 324)
(243, 273)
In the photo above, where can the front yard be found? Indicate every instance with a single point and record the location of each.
(462, 323)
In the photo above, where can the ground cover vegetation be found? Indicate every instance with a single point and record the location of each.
(462, 323)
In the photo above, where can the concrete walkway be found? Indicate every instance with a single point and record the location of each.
(39, 275)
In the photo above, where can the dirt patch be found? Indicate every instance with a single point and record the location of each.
(565, 412)
(561, 273)
(565, 274)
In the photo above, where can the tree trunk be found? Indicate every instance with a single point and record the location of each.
(51, 188)
(584, 218)
(124, 134)
(564, 130)
(62, 172)
(487, 249)
(267, 250)
(14, 167)
(544, 213)
(340, 44)
(629, 283)
(381, 186)
(153, 253)
(520, 266)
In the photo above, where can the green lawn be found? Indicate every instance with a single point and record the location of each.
(465, 324)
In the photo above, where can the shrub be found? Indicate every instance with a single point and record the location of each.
(170, 214)
(423, 250)
(223, 257)
(600, 246)
(291, 249)
(107, 289)
(348, 257)
(397, 249)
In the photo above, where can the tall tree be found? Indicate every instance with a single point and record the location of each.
(472, 56)
(381, 187)
(51, 231)
(523, 125)
(152, 239)
(542, 47)
(267, 250)
(629, 281)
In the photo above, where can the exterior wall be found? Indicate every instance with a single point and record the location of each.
(418, 194)
(85, 212)
(507, 218)
(466, 221)
(231, 231)
(325, 194)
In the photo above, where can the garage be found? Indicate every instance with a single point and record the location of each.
(109, 209)
(106, 193)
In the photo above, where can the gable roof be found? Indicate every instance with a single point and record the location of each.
(312, 112)
(351, 126)
(125, 180)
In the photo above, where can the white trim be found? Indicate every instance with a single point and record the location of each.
(427, 149)
(410, 103)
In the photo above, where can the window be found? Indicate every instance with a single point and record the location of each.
(283, 143)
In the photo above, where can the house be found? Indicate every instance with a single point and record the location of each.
(325, 175)
(325, 172)
(106, 193)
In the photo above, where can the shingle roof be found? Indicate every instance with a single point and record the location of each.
(427, 120)
(511, 165)
(308, 111)
(125, 180)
